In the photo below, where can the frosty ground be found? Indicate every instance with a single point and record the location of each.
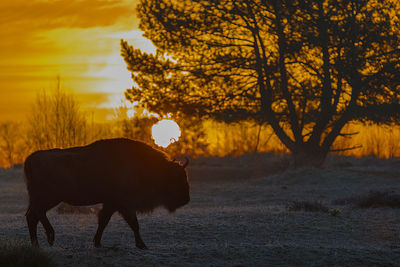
(237, 216)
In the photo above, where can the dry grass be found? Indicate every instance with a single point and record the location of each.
(238, 139)
(378, 140)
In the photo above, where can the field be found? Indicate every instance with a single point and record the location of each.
(243, 212)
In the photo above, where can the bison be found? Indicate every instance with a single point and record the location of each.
(124, 175)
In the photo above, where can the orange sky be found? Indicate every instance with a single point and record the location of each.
(78, 40)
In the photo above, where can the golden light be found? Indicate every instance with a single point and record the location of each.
(114, 76)
(165, 132)
(130, 113)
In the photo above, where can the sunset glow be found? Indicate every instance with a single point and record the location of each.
(79, 41)
(165, 132)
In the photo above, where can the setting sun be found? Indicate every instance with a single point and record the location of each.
(165, 132)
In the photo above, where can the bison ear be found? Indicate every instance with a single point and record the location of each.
(186, 163)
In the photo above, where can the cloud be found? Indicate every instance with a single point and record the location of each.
(42, 15)
(25, 25)
(77, 39)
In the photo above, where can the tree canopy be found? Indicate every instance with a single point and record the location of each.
(305, 67)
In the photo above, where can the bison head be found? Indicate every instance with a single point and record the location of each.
(176, 187)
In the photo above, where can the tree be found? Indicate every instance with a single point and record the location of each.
(305, 67)
(56, 120)
(9, 137)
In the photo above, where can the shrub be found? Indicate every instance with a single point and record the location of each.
(312, 206)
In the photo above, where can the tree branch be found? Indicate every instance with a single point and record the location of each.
(345, 149)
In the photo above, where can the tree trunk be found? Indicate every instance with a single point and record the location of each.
(307, 155)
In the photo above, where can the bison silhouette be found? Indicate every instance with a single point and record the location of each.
(124, 175)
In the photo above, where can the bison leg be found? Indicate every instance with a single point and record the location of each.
(33, 216)
(32, 221)
(131, 219)
(47, 227)
(104, 217)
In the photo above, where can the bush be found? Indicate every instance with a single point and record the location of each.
(312, 206)
(372, 199)
(18, 255)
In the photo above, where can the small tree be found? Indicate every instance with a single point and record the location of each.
(307, 68)
(9, 137)
(56, 121)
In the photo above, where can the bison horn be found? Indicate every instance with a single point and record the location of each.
(186, 163)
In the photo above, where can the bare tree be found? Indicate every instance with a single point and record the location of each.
(9, 136)
(56, 120)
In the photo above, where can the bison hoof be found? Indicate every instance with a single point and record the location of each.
(141, 246)
(97, 245)
(50, 238)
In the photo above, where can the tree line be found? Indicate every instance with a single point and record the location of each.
(208, 138)
(56, 120)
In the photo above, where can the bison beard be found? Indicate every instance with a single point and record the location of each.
(124, 175)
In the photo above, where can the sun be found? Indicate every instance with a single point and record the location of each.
(165, 132)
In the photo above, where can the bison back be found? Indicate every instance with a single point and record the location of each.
(118, 170)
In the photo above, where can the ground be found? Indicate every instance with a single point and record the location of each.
(237, 216)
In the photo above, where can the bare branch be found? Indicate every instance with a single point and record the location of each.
(345, 149)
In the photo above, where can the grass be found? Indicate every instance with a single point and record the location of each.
(372, 199)
(311, 206)
(13, 254)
